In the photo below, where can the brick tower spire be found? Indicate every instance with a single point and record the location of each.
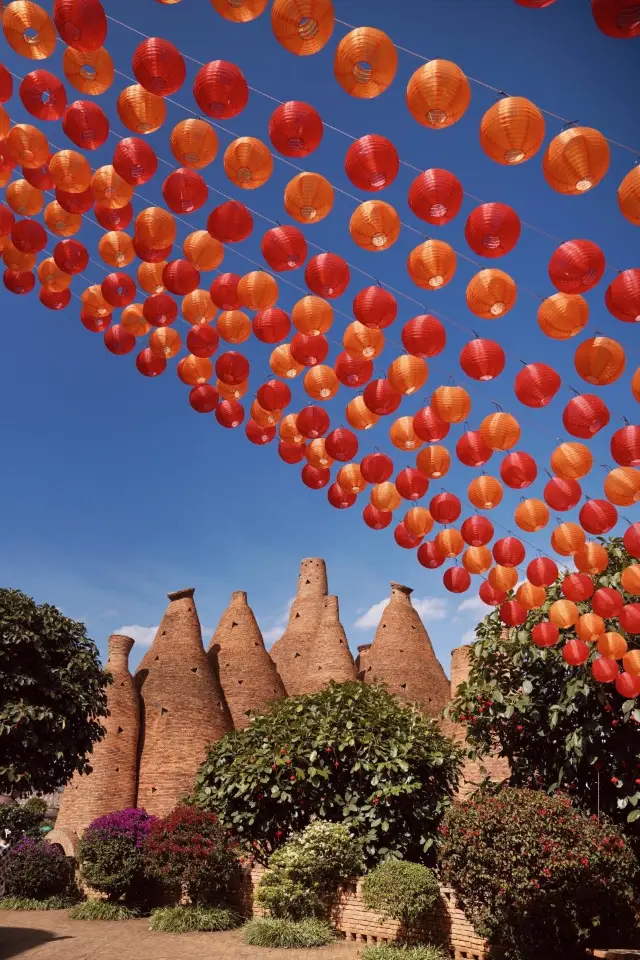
(292, 651)
(237, 655)
(330, 657)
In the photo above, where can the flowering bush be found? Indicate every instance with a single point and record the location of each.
(111, 854)
(38, 870)
(538, 877)
(189, 850)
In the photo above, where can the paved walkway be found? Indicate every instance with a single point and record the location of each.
(51, 935)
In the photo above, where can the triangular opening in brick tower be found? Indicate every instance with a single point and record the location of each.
(330, 657)
(292, 651)
(247, 674)
(112, 783)
(183, 707)
(402, 658)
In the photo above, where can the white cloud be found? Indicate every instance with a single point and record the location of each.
(474, 605)
(468, 637)
(143, 636)
(429, 608)
(279, 625)
(371, 617)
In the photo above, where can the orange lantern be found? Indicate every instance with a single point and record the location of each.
(70, 171)
(24, 199)
(317, 455)
(239, 11)
(267, 417)
(529, 596)
(94, 304)
(116, 248)
(133, 320)
(629, 196)
(512, 130)
(631, 662)
(248, 163)
(203, 251)
(194, 370)
(630, 579)
(110, 190)
(350, 478)
(491, 293)
(449, 542)
(308, 198)
(500, 431)
(52, 277)
(230, 391)
(363, 343)
(258, 290)
(476, 559)
(165, 342)
(89, 71)
(564, 614)
(591, 558)
(234, 326)
(567, 539)
(60, 222)
(431, 264)
(635, 385)
(374, 225)
(312, 315)
(365, 62)
(198, 307)
(289, 429)
(359, 416)
(282, 362)
(155, 228)
(451, 404)
(600, 360)
(150, 277)
(571, 461)
(407, 374)
(576, 160)
(141, 111)
(403, 436)
(27, 146)
(194, 143)
(622, 486)
(531, 515)
(29, 30)
(384, 496)
(418, 521)
(563, 315)
(590, 627)
(321, 383)
(485, 492)
(433, 461)
(502, 578)
(17, 260)
(302, 26)
(612, 645)
(438, 94)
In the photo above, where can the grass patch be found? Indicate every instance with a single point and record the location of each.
(390, 951)
(103, 910)
(271, 932)
(192, 919)
(25, 903)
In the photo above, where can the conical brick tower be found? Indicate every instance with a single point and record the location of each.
(183, 707)
(362, 661)
(112, 784)
(330, 657)
(402, 658)
(292, 651)
(246, 672)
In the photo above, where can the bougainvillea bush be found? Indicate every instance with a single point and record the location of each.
(38, 870)
(538, 877)
(111, 854)
(189, 851)
(351, 754)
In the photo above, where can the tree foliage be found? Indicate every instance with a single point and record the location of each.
(351, 754)
(17, 822)
(555, 724)
(52, 696)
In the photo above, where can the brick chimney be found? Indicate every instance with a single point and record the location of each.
(291, 653)
(330, 657)
(362, 661)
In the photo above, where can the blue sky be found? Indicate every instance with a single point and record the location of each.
(114, 491)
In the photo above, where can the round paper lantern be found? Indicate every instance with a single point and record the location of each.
(365, 62)
(90, 72)
(404, 538)
(622, 298)
(60, 222)
(449, 543)
(508, 552)
(184, 190)
(629, 618)
(198, 308)
(112, 219)
(6, 85)
(283, 364)
(40, 178)
(577, 587)
(567, 539)
(27, 146)
(291, 452)
(239, 11)
(24, 199)
(604, 670)
(342, 500)
(150, 277)
(307, 350)
(571, 461)
(342, 444)
(116, 248)
(472, 450)
(589, 627)
(429, 556)
(542, 572)
(312, 315)
(629, 196)
(202, 341)
(42, 95)
(600, 360)
(118, 289)
(165, 342)
(585, 415)
(407, 374)
(194, 370)
(373, 307)
(512, 613)
(372, 163)
(492, 229)
(433, 461)
(284, 248)
(402, 434)
(630, 579)
(512, 130)
(224, 292)
(456, 579)
(109, 189)
(631, 662)
(232, 367)
(376, 467)
(418, 521)
(220, 90)
(576, 266)
(424, 336)
(563, 315)
(564, 614)
(308, 197)
(575, 652)
(545, 634)
(55, 300)
(231, 222)
(591, 558)
(529, 596)
(302, 26)
(149, 364)
(15, 260)
(82, 24)
(158, 66)
(444, 507)
(536, 385)
(133, 320)
(352, 371)
(362, 342)
(248, 163)
(194, 143)
(204, 251)
(180, 277)
(430, 427)
(518, 470)
(52, 277)
(500, 431)
(576, 160)
(204, 398)
(272, 325)
(313, 422)
(628, 686)
(295, 129)
(485, 492)
(432, 264)
(477, 531)
(19, 281)
(531, 515)
(119, 340)
(229, 414)
(562, 495)
(619, 19)
(155, 228)
(451, 404)
(259, 433)
(160, 310)
(321, 383)
(289, 429)
(141, 111)
(274, 395)
(607, 602)
(625, 443)
(86, 125)
(359, 416)
(384, 496)
(93, 302)
(374, 225)
(631, 539)
(376, 519)
(327, 275)
(438, 94)
(28, 236)
(476, 559)
(29, 30)
(435, 196)
(612, 645)
(490, 595)
(622, 486)
(482, 359)
(71, 256)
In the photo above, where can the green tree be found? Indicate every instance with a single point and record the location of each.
(52, 696)
(556, 725)
(351, 754)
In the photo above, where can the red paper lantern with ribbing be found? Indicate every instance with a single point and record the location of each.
(375, 307)
(542, 572)
(411, 484)
(75, 202)
(622, 298)
(445, 507)
(380, 397)
(274, 395)
(577, 587)
(607, 603)
(376, 467)
(339, 498)
(54, 299)
(272, 325)
(309, 350)
(429, 427)
(40, 178)
(184, 190)
(231, 222)
(204, 398)
(625, 442)
(114, 219)
(536, 385)
(629, 618)
(6, 84)
(472, 450)
(424, 336)
(118, 289)
(482, 359)
(134, 160)
(576, 266)
(82, 24)
(327, 275)
(598, 517)
(631, 539)
(619, 19)
(119, 340)
(149, 254)
(43, 95)
(180, 277)
(352, 371)
(512, 613)
(7, 220)
(158, 66)
(372, 162)
(71, 256)
(313, 422)
(95, 324)
(315, 477)
(86, 124)
(28, 236)
(376, 519)
(229, 414)
(518, 470)
(224, 291)
(284, 248)
(295, 129)
(232, 368)
(341, 444)
(492, 229)
(604, 670)
(585, 415)
(291, 452)
(220, 90)
(429, 556)
(149, 364)
(575, 652)
(561, 494)
(477, 531)
(202, 340)
(545, 634)
(508, 552)
(160, 310)
(19, 281)
(436, 196)
(491, 595)
(456, 579)
(259, 433)
(628, 685)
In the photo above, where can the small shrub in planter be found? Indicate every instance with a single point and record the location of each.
(111, 855)
(37, 806)
(20, 821)
(401, 891)
(390, 951)
(538, 877)
(192, 919)
(103, 910)
(275, 932)
(37, 871)
(190, 852)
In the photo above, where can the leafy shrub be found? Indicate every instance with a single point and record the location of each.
(350, 754)
(538, 877)
(25, 903)
(400, 890)
(190, 849)
(36, 805)
(391, 951)
(286, 898)
(18, 822)
(111, 854)
(37, 870)
(103, 910)
(272, 932)
(192, 919)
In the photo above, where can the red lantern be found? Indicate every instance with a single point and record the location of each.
(160, 310)
(631, 539)
(477, 531)
(43, 95)
(149, 364)
(39, 178)
(411, 484)
(220, 90)
(55, 300)
(82, 24)
(95, 324)
(576, 266)
(575, 652)
(375, 307)
(625, 442)
(577, 587)
(512, 613)
(75, 202)
(492, 229)
(295, 129)
(436, 196)
(585, 415)
(376, 468)
(536, 385)
(204, 398)
(545, 634)
(430, 557)
(430, 427)
(315, 477)
(114, 219)
(19, 281)
(231, 222)
(518, 470)
(6, 84)
(607, 603)
(180, 277)
(28, 236)
(628, 685)
(372, 163)
(482, 359)
(424, 336)
(118, 289)
(291, 452)
(327, 275)
(272, 325)
(7, 219)
(339, 498)
(562, 494)
(232, 368)
(457, 579)
(202, 340)
(380, 397)
(376, 519)
(309, 350)
(259, 433)
(542, 572)
(472, 450)
(619, 19)
(629, 618)
(86, 124)
(274, 395)
(119, 340)
(184, 190)
(224, 291)
(341, 444)
(284, 248)
(598, 516)
(158, 66)
(508, 552)
(604, 670)
(313, 422)
(135, 161)
(352, 371)
(229, 414)
(622, 298)
(148, 254)
(445, 507)
(71, 256)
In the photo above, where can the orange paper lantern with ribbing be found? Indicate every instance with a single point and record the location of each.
(512, 130)
(283, 363)
(141, 111)
(590, 627)
(418, 521)
(372, 162)
(434, 461)
(374, 225)
(165, 342)
(27, 146)
(500, 431)
(308, 197)
(303, 27)
(359, 416)
(288, 429)
(158, 66)
(295, 129)
(194, 143)
(365, 62)
(449, 542)
(109, 189)
(312, 316)
(239, 11)
(600, 360)
(248, 163)
(89, 71)
(407, 374)
(571, 461)
(491, 294)
(194, 370)
(622, 486)
(93, 302)
(576, 266)
(564, 614)
(492, 229)
(52, 277)
(17, 260)
(563, 315)
(612, 645)
(622, 298)
(451, 404)
(438, 94)
(567, 539)
(321, 383)
(629, 196)
(431, 264)
(150, 277)
(257, 290)
(485, 492)
(203, 251)
(476, 559)
(116, 248)
(403, 435)
(503, 578)
(155, 228)
(591, 558)
(630, 579)
(436, 196)
(529, 596)
(60, 222)
(132, 319)
(384, 496)
(576, 160)
(54, 301)
(29, 30)
(234, 326)
(70, 171)
(271, 417)
(362, 342)
(350, 478)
